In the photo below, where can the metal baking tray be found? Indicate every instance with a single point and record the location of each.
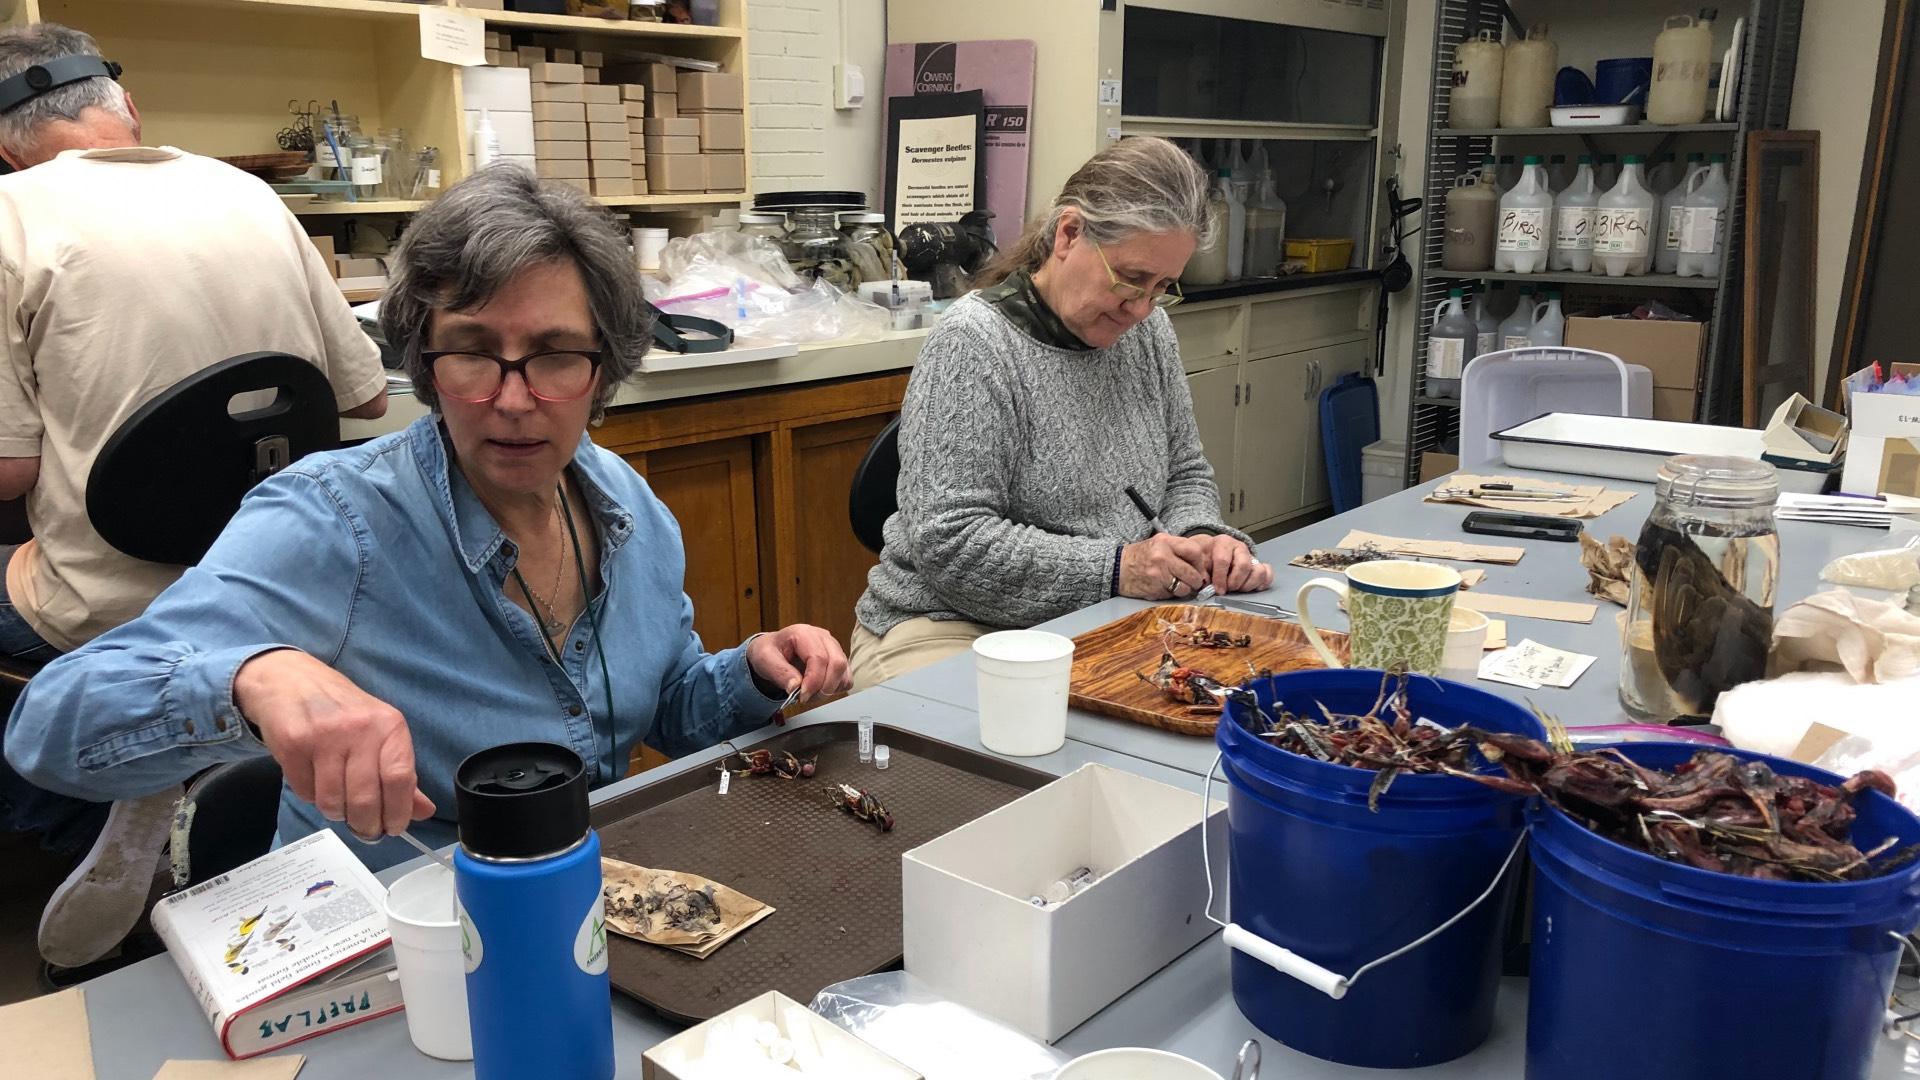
(1632, 448)
(834, 881)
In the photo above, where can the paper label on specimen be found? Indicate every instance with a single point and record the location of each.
(1446, 357)
(1699, 230)
(1621, 231)
(1573, 228)
(1533, 665)
(1523, 229)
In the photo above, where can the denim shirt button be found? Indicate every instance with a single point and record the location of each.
(572, 710)
(579, 646)
(188, 725)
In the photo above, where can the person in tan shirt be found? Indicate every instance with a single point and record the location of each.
(123, 269)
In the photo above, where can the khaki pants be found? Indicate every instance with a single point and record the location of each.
(910, 645)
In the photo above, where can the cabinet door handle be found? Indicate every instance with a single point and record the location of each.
(1249, 393)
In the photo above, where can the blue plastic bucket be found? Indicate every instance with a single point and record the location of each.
(1658, 971)
(1315, 872)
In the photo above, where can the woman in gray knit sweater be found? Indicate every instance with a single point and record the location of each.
(1036, 403)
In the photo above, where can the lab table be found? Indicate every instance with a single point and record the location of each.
(143, 1014)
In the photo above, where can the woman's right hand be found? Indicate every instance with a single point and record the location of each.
(342, 749)
(1163, 567)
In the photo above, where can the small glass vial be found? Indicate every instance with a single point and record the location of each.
(882, 756)
(866, 740)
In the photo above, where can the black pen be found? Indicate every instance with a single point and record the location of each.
(1153, 519)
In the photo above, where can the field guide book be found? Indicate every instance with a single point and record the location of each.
(292, 945)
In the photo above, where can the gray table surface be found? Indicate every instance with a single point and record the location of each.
(142, 1016)
(1548, 571)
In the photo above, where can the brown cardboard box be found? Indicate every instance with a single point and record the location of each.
(486, 5)
(636, 109)
(637, 141)
(531, 54)
(605, 167)
(561, 169)
(1433, 465)
(570, 92)
(670, 144)
(658, 78)
(663, 106)
(682, 125)
(711, 90)
(559, 131)
(557, 73)
(492, 56)
(670, 174)
(1669, 404)
(723, 131)
(726, 172)
(636, 126)
(324, 245)
(616, 186)
(578, 183)
(598, 9)
(559, 112)
(590, 75)
(590, 58)
(560, 151)
(610, 151)
(596, 94)
(565, 56)
(632, 92)
(508, 59)
(640, 184)
(1671, 350)
(614, 132)
(615, 113)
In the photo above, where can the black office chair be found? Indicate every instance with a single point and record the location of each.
(874, 495)
(161, 490)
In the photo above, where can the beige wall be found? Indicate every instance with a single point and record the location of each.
(799, 139)
(1833, 94)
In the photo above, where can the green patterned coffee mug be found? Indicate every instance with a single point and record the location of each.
(1397, 610)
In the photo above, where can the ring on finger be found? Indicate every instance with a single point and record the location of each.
(1173, 586)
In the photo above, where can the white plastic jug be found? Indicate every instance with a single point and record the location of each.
(1703, 221)
(1622, 227)
(1666, 257)
(1508, 174)
(1472, 221)
(1450, 346)
(1573, 213)
(1477, 65)
(1486, 322)
(1236, 195)
(1682, 60)
(1559, 173)
(1267, 229)
(1549, 324)
(1526, 83)
(1526, 214)
(1517, 331)
(1208, 264)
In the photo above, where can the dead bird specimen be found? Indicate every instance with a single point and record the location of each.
(1341, 558)
(1386, 738)
(1202, 637)
(667, 904)
(862, 805)
(769, 763)
(1197, 690)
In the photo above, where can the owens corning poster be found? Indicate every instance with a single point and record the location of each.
(1003, 72)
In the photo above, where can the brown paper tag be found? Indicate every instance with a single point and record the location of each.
(47, 1038)
(631, 890)
(1527, 607)
(265, 1068)
(1452, 550)
(1818, 740)
(1591, 500)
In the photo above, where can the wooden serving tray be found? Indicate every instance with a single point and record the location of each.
(1106, 658)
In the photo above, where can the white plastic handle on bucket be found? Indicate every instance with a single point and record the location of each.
(1290, 963)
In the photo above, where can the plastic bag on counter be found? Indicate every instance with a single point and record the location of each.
(905, 1020)
(743, 282)
(1895, 752)
(1888, 568)
(714, 260)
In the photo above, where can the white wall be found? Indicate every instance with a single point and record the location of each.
(799, 139)
(1833, 91)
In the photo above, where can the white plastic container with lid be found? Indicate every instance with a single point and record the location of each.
(1477, 66)
(1666, 258)
(1208, 264)
(1526, 214)
(1517, 331)
(1549, 324)
(1472, 222)
(1526, 82)
(1022, 680)
(1573, 214)
(1623, 225)
(1485, 321)
(1450, 346)
(1682, 61)
(1703, 221)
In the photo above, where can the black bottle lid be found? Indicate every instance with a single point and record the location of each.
(521, 801)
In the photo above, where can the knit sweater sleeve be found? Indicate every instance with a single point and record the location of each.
(960, 444)
(1193, 499)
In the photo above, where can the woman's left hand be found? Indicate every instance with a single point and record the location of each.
(803, 656)
(1232, 567)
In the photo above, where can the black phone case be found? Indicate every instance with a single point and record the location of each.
(1522, 526)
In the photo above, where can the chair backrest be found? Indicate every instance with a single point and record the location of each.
(874, 497)
(236, 813)
(1349, 423)
(168, 480)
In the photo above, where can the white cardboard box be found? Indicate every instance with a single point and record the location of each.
(670, 1060)
(501, 89)
(513, 129)
(1883, 447)
(971, 933)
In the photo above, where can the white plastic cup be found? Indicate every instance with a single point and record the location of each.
(433, 972)
(1134, 1063)
(1023, 677)
(1466, 643)
(648, 244)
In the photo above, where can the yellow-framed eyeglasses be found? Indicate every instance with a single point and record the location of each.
(1130, 292)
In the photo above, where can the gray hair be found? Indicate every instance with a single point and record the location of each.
(473, 239)
(20, 49)
(1140, 184)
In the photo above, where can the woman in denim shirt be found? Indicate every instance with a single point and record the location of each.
(488, 575)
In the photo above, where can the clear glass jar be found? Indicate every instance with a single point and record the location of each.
(1700, 617)
(336, 134)
(815, 248)
(770, 226)
(869, 245)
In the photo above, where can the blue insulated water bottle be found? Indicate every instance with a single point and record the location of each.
(532, 921)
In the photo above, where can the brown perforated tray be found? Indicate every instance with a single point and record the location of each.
(834, 881)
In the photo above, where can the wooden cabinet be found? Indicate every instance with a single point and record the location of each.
(709, 488)
(1324, 368)
(823, 570)
(1216, 400)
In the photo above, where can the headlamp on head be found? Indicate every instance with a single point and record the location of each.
(41, 78)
